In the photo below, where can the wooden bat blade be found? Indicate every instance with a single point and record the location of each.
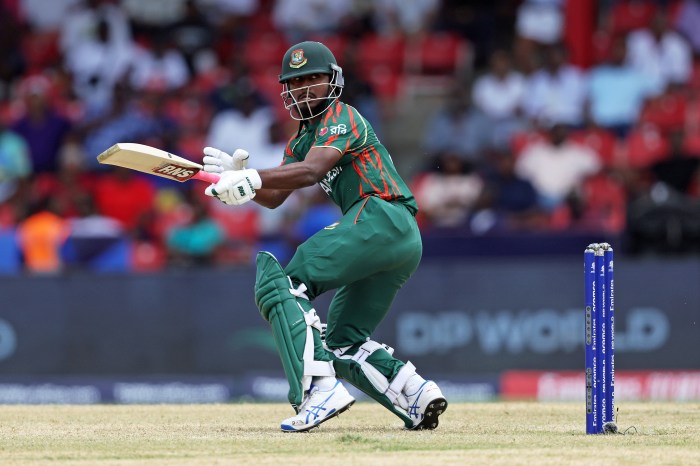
(153, 161)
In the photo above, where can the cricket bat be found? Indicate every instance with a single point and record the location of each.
(154, 161)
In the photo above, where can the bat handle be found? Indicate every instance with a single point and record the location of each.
(208, 177)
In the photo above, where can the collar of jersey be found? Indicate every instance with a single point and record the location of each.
(311, 125)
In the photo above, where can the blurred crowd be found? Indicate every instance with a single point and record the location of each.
(537, 141)
(540, 131)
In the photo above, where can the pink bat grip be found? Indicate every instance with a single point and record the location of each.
(208, 177)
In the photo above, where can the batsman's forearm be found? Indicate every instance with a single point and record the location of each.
(271, 198)
(292, 176)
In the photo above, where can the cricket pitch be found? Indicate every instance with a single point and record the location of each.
(500, 433)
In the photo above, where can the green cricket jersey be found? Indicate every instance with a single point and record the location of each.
(365, 169)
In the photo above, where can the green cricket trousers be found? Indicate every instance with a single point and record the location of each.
(367, 256)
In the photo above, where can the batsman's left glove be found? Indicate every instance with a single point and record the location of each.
(235, 187)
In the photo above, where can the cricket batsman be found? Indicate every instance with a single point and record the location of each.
(367, 256)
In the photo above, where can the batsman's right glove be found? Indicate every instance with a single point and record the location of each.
(218, 161)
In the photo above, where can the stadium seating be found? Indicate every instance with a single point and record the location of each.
(628, 15)
(262, 52)
(667, 112)
(437, 54)
(601, 141)
(40, 50)
(644, 146)
(377, 52)
(521, 140)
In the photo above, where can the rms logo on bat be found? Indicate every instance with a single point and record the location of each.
(175, 172)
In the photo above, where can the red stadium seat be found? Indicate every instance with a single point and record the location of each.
(147, 257)
(628, 15)
(694, 82)
(269, 87)
(190, 146)
(667, 112)
(40, 50)
(190, 111)
(386, 84)
(602, 43)
(240, 225)
(605, 202)
(520, 141)
(336, 43)
(645, 146)
(438, 54)
(376, 51)
(263, 52)
(691, 144)
(601, 141)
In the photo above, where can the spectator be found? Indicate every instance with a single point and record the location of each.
(197, 241)
(71, 184)
(458, 127)
(556, 167)
(42, 16)
(97, 64)
(448, 193)
(557, 91)
(301, 18)
(91, 234)
(405, 18)
(41, 236)
(153, 15)
(361, 95)
(617, 92)
(687, 21)
(538, 24)
(509, 202)
(540, 21)
(193, 35)
(275, 224)
(678, 171)
(232, 16)
(247, 125)
(15, 164)
(318, 213)
(124, 121)
(660, 53)
(499, 94)
(83, 22)
(13, 62)
(125, 196)
(162, 65)
(164, 130)
(42, 127)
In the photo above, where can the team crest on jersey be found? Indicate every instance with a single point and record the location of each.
(298, 59)
(323, 131)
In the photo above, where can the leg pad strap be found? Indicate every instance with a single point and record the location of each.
(295, 327)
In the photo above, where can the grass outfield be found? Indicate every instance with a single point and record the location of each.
(247, 434)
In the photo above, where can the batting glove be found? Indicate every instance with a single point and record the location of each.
(218, 161)
(235, 187)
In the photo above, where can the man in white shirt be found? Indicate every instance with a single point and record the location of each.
(660, 52)
(556, 167)
(246, 125)
(499, 94)
(557, 91)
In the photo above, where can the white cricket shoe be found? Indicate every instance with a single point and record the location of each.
(425, 405)
(319, 406)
